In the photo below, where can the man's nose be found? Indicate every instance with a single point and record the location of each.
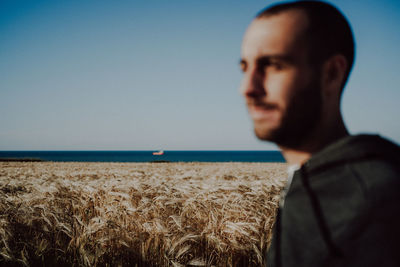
(252, 84)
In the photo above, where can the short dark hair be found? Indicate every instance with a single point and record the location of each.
(328, 33)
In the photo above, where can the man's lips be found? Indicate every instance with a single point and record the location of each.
(261, 110)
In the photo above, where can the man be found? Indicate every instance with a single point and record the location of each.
(342, 204)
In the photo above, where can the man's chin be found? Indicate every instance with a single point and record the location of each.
(265, 134)
(279, 135)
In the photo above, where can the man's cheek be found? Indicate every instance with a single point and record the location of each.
(280, 86)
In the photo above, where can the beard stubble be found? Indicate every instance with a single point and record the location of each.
(299, 119)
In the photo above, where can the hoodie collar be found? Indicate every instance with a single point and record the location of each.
(351, 148)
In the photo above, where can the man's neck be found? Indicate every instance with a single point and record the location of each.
(315, 142)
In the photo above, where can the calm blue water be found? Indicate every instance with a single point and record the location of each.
(147, 156)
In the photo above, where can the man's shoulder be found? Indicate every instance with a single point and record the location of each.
(363, 152)
(368, 163)
(373, 156)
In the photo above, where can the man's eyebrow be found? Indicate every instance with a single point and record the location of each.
(269, 58)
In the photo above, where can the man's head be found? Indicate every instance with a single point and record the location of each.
(296, 58)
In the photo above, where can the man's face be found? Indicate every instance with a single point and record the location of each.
(281, 89)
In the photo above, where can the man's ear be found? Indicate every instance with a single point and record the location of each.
(333, 74)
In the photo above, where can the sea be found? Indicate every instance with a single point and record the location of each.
(143, 156)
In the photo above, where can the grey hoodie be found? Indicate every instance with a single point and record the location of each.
(342, 208)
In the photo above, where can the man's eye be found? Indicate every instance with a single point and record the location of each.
(273, 66)
(243, 66)
(276, 65)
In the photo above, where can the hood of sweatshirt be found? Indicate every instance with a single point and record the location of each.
(353, 148)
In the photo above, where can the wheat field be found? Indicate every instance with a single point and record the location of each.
(137, 214)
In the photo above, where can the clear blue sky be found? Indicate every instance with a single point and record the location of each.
(139, 75)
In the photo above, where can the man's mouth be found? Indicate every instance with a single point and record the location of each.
(259, 111)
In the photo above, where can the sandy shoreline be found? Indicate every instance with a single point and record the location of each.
(146, 213)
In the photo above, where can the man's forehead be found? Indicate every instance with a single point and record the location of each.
(278, 33)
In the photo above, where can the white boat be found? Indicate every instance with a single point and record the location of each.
(158, 153)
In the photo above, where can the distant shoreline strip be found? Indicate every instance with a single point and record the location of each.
(21, 160)
(41, 160)
(141, 156)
